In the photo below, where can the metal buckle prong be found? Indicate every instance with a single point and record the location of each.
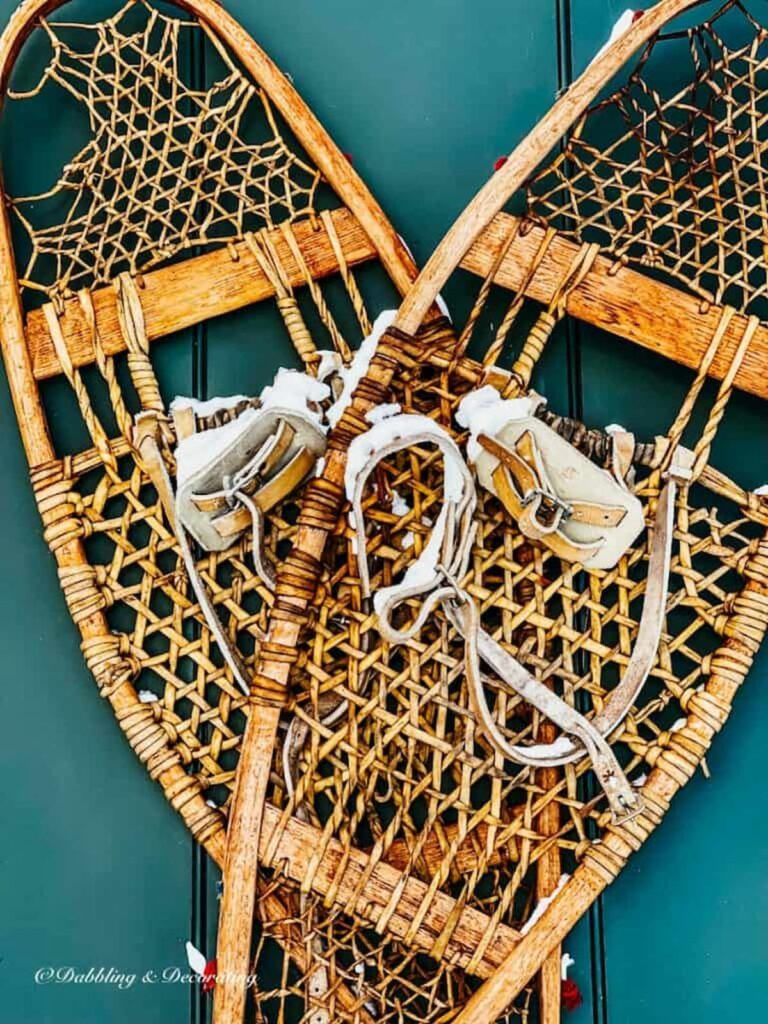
(566, 510)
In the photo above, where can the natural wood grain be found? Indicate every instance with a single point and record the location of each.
(274, 907)
(625, 302)
(548, 871)
(548, 865)
(16, 357)
(293, 847)
(467, 856)
(195, 290)
(238, 903)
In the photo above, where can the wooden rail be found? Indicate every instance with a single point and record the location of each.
(467, 856)
(623, 301)
(197, 289)
(345, 871)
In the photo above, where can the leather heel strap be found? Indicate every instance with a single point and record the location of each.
(447, 552)
(578, 731)
(435, 577)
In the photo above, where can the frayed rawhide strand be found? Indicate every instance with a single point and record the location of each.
(111, 661)
(265, 253)
(131, 317)
(106, 364)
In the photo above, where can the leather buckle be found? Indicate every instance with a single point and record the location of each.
(547, 498)
(542, 513)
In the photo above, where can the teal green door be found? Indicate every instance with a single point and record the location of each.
(97, 871)
(682, 935)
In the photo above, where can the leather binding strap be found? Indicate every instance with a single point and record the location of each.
(555, 493)
(523, 486)
(436, 577)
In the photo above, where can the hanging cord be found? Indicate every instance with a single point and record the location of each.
(131, 318)
(704, 445)
(482, 296)
(513, 310)
(316, 292)
(106, 365)
(350, 283)
(92, 422)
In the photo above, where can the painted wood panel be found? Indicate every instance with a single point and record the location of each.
(684, 927)
(96, 870)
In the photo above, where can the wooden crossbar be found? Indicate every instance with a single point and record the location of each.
(341, 870)
(184, 294)
(623, 301)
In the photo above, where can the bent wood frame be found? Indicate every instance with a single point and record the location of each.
(602, 299)
(310, 133)
(364, 232)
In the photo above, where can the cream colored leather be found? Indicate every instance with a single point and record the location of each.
(557, 495)
(227, 478)
(243, 457)
(436, 578)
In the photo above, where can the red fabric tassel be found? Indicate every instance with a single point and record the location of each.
(500, 163)
(209, 976)
(571, 995)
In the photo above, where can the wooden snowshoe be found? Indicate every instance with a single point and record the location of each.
(195, 182)
(444, 850)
